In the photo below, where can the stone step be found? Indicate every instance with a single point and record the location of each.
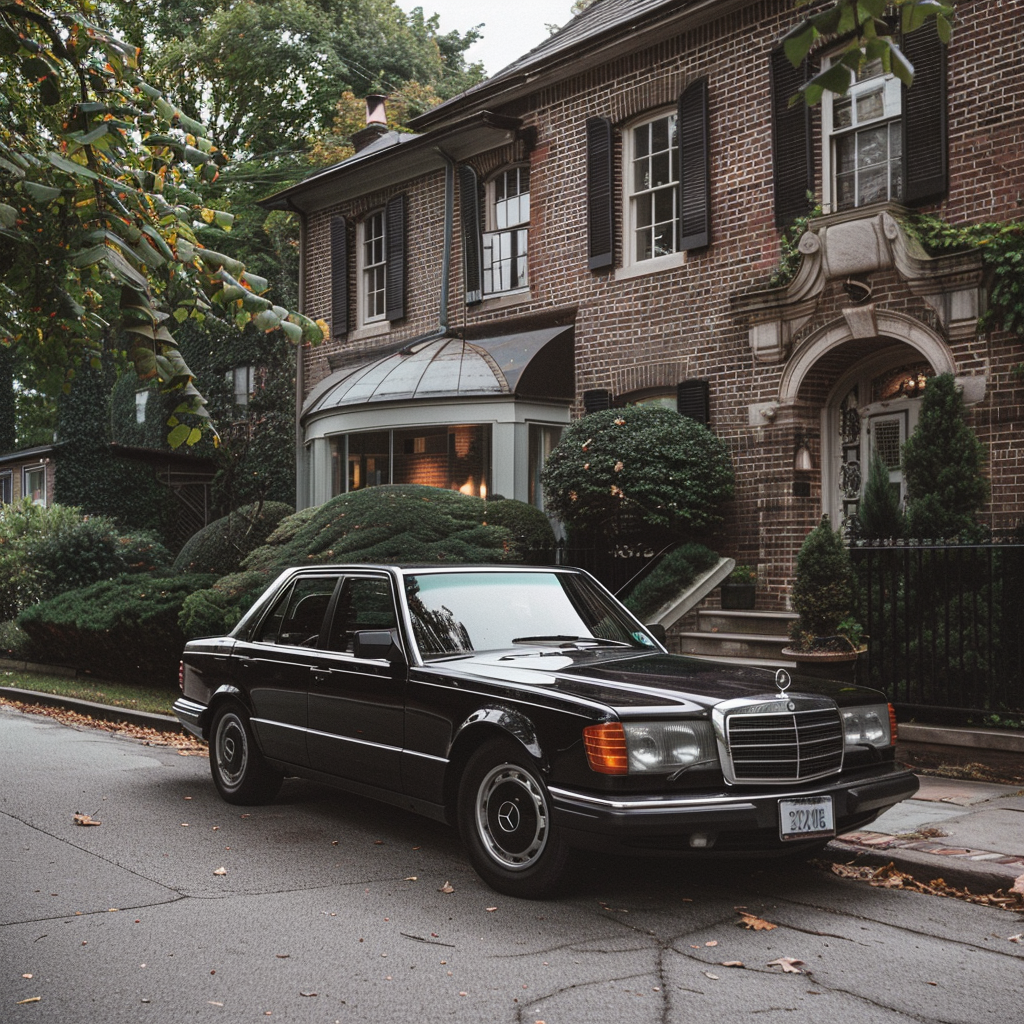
(762, 623)
(733, 645)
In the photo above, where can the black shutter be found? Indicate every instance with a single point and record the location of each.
(792, 154)
(339, 277)
(924, 122)
(596, 400)
(600, 213)
(694, 167)
(469, 198)
(394, 246)
(693, 399)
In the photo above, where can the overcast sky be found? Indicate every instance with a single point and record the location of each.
(511, 27)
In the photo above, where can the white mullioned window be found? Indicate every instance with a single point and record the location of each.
(505, 242)
(372, 268)
(862, 152)
(652, 188)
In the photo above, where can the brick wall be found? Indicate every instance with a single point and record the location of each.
(659, 328)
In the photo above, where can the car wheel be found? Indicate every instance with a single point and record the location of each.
(239, 770)
(504, 816)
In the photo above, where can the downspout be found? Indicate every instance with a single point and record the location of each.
(449, 228)
(301, 467)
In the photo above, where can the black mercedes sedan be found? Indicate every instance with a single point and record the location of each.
(530, 709)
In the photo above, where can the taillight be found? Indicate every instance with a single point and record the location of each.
(606, 748)
(892, 726)
(181, 676)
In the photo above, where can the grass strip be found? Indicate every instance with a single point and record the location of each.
(119, 695)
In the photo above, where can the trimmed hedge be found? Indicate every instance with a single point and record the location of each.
(221, 546)
(125, 628)
(403, 523)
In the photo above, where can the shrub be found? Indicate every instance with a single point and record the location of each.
(45, 551)
(530, 528)
(221, 546)
(673, 574)
(825, 586)
(638, 470)
(399, 523)
(879, 516)
(942, 463)
(125, 628)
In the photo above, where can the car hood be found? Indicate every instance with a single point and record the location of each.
(630, 679)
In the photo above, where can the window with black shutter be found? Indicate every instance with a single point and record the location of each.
(925, 148)
(694, 167)
(339, 277)
(693, 399)
(792, 153)
(596, 399)
(394, 214)
(469, 205)
(600, 211)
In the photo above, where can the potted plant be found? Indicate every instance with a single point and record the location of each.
(826, 634)
(739, 589)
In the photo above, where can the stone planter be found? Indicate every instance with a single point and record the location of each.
(841, 665)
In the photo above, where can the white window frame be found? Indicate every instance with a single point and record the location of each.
(6, 487)
(892, 103)
(507, 223)
(242, 381)
(632, 264)
(372, 267)
(26, 490)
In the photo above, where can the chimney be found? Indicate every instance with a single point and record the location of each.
(376, 123)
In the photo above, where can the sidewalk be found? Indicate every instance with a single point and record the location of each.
(970, 834)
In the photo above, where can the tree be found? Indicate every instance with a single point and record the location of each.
(943, 464)
(102, 180)
(879, 515)
(865, 34)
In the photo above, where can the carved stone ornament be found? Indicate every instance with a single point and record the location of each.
(849, 247)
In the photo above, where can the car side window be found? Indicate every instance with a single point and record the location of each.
(298, 614)
(364, 603)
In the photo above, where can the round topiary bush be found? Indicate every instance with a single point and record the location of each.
(642, 469)
(825, 587)
(221, 546)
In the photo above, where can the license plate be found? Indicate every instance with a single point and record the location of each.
(806, 816)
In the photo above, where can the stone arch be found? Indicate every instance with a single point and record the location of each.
(862, 324)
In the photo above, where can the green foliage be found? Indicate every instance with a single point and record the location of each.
(672, 575)
(45, 551)
(8, 419)
(1002, 249)
(102, 180)
(879, 515)
(824, 590)
(124, 628)
(221, 546)
(943, 464)
(399, 523)
(789, 244)
(640, 470)
(743, 574)
(532, 536)
(14, 641)
(864, 33)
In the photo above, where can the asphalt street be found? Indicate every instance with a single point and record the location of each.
(331, 908)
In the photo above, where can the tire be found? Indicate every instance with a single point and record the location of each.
(241, 774)
(504, 817)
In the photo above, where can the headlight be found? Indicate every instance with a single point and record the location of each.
(615, 748)
(867, 727)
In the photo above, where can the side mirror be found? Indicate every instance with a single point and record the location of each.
(375, 643)
(657, 630)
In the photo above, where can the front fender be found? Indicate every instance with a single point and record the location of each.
(510, 721)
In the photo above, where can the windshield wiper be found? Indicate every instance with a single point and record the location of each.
(598, 641)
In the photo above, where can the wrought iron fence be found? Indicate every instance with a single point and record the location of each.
(945, 625)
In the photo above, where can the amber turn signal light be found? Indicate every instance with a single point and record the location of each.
(606, 748)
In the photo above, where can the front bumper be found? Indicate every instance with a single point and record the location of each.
(746, 821)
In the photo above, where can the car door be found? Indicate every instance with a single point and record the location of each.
(357, 705)
(274, 664)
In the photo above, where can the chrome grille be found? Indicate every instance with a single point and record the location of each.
(784, 746)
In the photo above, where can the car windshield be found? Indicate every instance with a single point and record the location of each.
(454, 613)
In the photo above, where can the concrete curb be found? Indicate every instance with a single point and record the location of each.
(946, 736)
(147, 719)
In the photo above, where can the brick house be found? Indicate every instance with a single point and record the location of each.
(28, 473)
(599, 222)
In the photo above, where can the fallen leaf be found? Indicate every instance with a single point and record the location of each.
(788, 964)
(282, 956)
(221, 871)
(756, 923)
(36, 999)
(210, 1002)
(733, 963)
(184, 824)
(309, 993)
(708, 974)
(1019, 937)
(412, 878)
(84, 819)
(447, 887)
(1018, 885)
(491, 910)
(26, 975)
(713, 942)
